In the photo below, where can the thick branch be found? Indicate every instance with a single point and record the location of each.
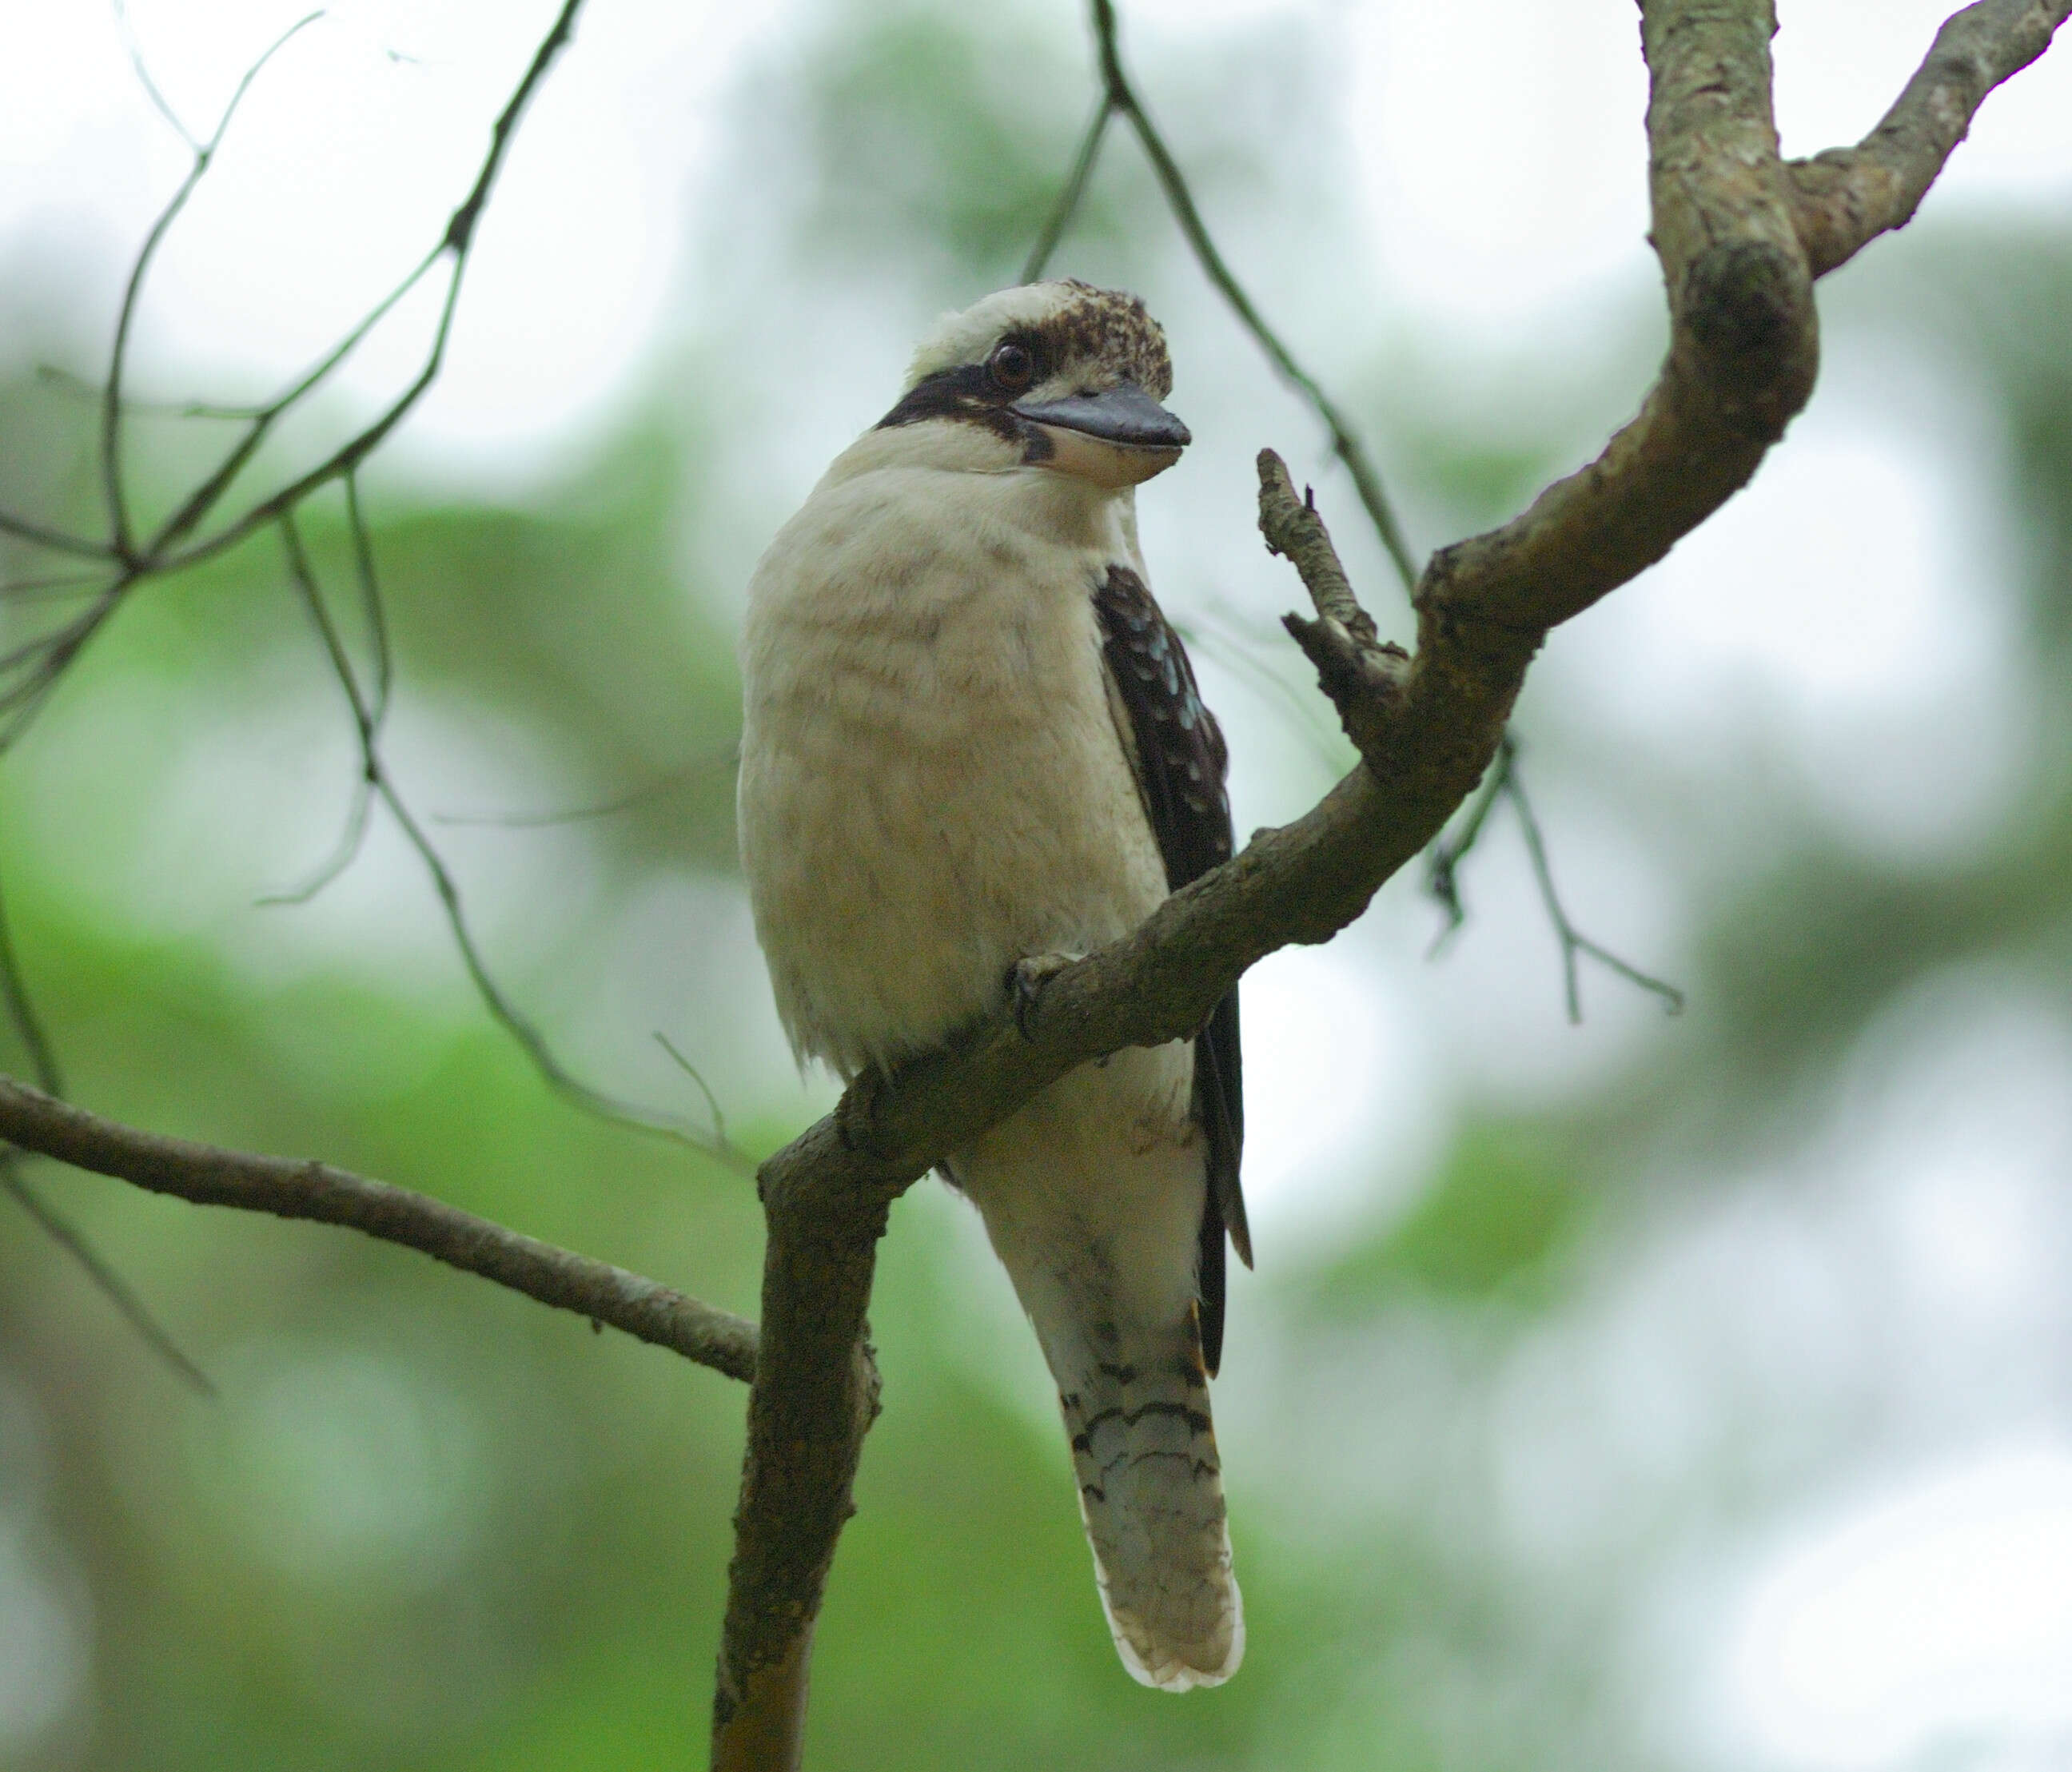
(288, 1189)
(1743, 351)
(1847, 197)
(814, 1399)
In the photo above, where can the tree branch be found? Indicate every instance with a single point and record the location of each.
(1847, 197)
(289, 1189)
(1121, 97)
(1744, 351)
(172, 546)
(1744, 343)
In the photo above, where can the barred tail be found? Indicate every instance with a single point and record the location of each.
(1151, 1493)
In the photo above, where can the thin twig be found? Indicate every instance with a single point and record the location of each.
(22, 1014)
(501, 1009)
(207, 495)
(111, 411)
(55, 587)
(1067, 204)
(138, 65)
(163, 553)
(1442, 860)
(728, 758)
(56, 540)
(371, 602)
(697, 1077)
(353, 833)
(42, 1059)
(1121, 95)
(66, 381)
(457, 242)
(52, 655)
(1504, 782)
(351, 836)
(109, 1284)
(1573, 942)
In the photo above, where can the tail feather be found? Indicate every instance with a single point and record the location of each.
(1144, 1449)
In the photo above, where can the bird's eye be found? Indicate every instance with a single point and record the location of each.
(1013, 367)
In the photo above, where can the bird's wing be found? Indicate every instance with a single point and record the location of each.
(1181, 763)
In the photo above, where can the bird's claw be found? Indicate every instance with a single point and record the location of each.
(1025, 980)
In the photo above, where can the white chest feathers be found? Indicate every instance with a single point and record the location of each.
(933, 782)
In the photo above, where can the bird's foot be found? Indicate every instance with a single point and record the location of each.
(1025, 980)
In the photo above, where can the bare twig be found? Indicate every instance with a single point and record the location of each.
(204, 152)
(109, 1284)
(1074, 192)
(1345, 441)
(1448, 849)
(171, 546)
(58, 541)
(372, 608)
(1362, 675)
(65, 381)
(697, 1077)
(1573, 942)
(352, 835)
(457, 243)
(1504, 782)
(42, 1059)
(22, 1014)
(727, 758)
(506, 1013)
(52, 587)
(358, 809)
(641, 1308)
(141, 69)
(37, 666)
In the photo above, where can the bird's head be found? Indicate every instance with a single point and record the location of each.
(1058, 376)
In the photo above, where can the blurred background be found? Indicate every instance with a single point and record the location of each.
(1689, 1392)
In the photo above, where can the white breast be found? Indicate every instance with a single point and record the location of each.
(932, 784)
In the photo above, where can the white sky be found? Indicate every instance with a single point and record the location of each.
(1501, 176)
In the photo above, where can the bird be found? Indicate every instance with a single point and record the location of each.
(973, 750)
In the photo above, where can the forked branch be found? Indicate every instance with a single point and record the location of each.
(1846, 197)
(1744, 346)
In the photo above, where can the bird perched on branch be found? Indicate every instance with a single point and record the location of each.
(973, 750)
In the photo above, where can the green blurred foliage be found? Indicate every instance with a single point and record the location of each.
(428, 1525)
(1491, 1224)
(927, 133)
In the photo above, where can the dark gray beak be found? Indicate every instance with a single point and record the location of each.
(1124, 413)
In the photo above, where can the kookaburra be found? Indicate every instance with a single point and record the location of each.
(973, 746)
